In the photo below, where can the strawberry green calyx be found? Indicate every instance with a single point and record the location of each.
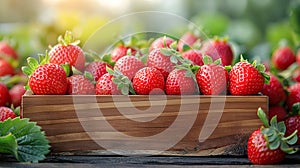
(33, 63)
(274, 134)
(208, 60)
(295, 109)
(68, 39)
(123, 83)
(175, 56)
(89, 76)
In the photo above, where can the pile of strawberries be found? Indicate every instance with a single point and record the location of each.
(11, 82)
(188, 66)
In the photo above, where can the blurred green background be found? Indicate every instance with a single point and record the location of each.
(254, 27)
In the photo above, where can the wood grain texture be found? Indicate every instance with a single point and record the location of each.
(80, 123)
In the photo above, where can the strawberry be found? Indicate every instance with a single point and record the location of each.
(267, 145)
(80, 85)
(212, 79)
(218, 48)
(6, 113)
(187, 39)
(7, 50)
(148, 80)
(105, 86)
(97, 69)
(293, 123)
(121, 51)
(129, 65)
(178, 83)
(283, 57)
(279, 111)
(259, 153)
(5, 68)
(67, 51)
(294, 95)
(4, 95)
(274, 91)
(246, 78)
(162, 42)
(16, 93)
(48, 79)
(194, 55)
(161, 62)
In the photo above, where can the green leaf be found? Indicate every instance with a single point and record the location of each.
(281, 127)
(207, 60)
(109, 70)
(188, 74)
(8, 145)
(296, 108)
(273, 136)
(293, 140)
(67, 68)
(267, 78)
(285, 148)
(267, 131)
(228, 68)
(27, 71)
(218, 61)
(263, 117)
(173, 46)
(186, 47)
(274, 144)
(88, 75)
(32, 63)
(32, 145)
(131, 89)
(125, 90)
(173, 59)
(273, 122)
(128, 52)
(166, 51)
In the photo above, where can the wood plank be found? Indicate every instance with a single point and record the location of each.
(65, 120)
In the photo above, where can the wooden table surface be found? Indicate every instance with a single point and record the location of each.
(139, 161)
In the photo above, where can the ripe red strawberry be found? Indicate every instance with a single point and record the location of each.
(194, 55)
(187, 39)
(6, 113)
(274, 91)
(294, 95)
(16, 93)
(293, 123)
(259, 153)
(283, 57)
(279, 111)
(5, 68)
(67, 51)
(80, 85)
(178, 84)
(105, 86)
(48, 79)
(148, 80)
(7, 50)
(245, 79)
(97, 69)
(161, 42)
(267, 145)
(161, 62)
(129, 65)
(218, 49)
(121, 51)
(4, 95)
(212, 79)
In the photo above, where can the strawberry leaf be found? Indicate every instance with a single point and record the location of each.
(273, 122)
(186, 47)
(207, 60)
(218, 61)
(173, 46)
(281, 127)
(173, 59)
(263, 117)
(275, 143)
(67, 68)
(27, 71)
(24, 140)
(166, 51)
(293, 140)
(296, 109)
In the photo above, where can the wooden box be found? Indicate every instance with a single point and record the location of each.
(158, 124)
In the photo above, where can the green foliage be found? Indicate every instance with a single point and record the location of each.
(23, 139)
